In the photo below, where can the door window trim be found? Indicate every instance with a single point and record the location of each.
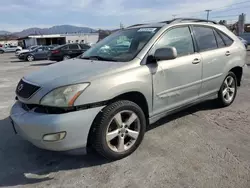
(169, 29)
(198, 49)
(219, 31)
(214, 30)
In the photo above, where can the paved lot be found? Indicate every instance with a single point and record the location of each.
(200, 147)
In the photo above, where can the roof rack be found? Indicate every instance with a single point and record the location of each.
(135, 25)
(178, 20)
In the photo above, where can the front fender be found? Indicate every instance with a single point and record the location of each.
(109, 87)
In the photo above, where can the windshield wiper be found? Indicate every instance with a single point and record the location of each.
(95, 57)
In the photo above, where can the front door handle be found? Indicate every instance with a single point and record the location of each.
(196, 61)
(227, 53)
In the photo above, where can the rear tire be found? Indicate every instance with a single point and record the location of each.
(228, 90)
(1, 51)
(118, 130)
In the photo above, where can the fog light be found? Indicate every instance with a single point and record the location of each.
(54, 136)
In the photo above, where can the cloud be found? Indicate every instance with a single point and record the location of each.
(100, 13)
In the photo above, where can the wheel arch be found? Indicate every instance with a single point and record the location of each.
(134, 96)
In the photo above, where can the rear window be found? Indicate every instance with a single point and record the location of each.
(228, 41)
(84, 46)
(205, 38)
(220, 41)
(73, 47)
(65, 47)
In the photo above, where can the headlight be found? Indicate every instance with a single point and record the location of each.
(64, 96)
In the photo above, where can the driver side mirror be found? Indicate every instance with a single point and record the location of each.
(166, 53)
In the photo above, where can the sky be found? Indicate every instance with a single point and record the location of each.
(108, 14)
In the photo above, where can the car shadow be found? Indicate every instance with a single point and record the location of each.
(16, 61)
(13, 57)
(42, 64)
(22, 163)
(207, 105)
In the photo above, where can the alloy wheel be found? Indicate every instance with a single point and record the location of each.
(30, 58)
(123, 131)
(229, 89)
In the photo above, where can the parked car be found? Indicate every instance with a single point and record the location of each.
(244, 42)
(25, 50)
(106, 98)
(67, 51)
(10, 48)
(39, 53)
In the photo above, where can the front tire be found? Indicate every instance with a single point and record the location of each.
(228, 90)
(30, 58)
(1, 51)
(119, 130)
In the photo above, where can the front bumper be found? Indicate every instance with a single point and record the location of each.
(33, 126)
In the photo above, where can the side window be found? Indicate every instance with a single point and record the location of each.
(220, 42)
(180, 38)
(84, 46)
(226, 39)
(65, 47)
(73, 47)
(205, 38)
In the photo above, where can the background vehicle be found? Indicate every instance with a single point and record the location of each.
(39, 53)
(9, 48)
(25, 50)
(106, 98)
(67, 51)
(244, 42)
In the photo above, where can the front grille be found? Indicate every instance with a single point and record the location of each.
(25, 90)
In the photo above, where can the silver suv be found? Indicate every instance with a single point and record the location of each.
(106, 98)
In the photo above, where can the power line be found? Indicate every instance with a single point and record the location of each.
(233, 9)
(216, 10)
(225, 16)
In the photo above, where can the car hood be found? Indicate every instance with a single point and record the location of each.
(22, 51)
(71, 71)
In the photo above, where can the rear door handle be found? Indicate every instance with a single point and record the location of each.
(196, 61)
(227, 53)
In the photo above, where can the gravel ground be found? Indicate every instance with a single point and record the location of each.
(202, 146)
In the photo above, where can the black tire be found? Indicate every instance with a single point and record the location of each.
(66, 57)
(1, 51)
(101, 123)
(17, 50)
(221, 99)
(30, 58)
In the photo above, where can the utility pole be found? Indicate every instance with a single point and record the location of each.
(208, 13)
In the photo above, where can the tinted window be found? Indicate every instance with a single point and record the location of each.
(65, 47)
(205, 38)
(73, 47)
(84, 46)
(180, 38)
(220, 42)
(226, 39)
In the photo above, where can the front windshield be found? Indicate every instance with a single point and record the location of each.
(122, 46)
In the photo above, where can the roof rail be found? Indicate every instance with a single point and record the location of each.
(135, 25)
(178, 20)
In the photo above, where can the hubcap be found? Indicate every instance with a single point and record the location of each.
(66, 57)
(30, 58)
(228, 91)
(123, 131)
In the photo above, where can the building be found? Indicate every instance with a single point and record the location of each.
(8, 40)
(60, 39)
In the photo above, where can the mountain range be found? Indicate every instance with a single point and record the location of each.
(60, 29)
